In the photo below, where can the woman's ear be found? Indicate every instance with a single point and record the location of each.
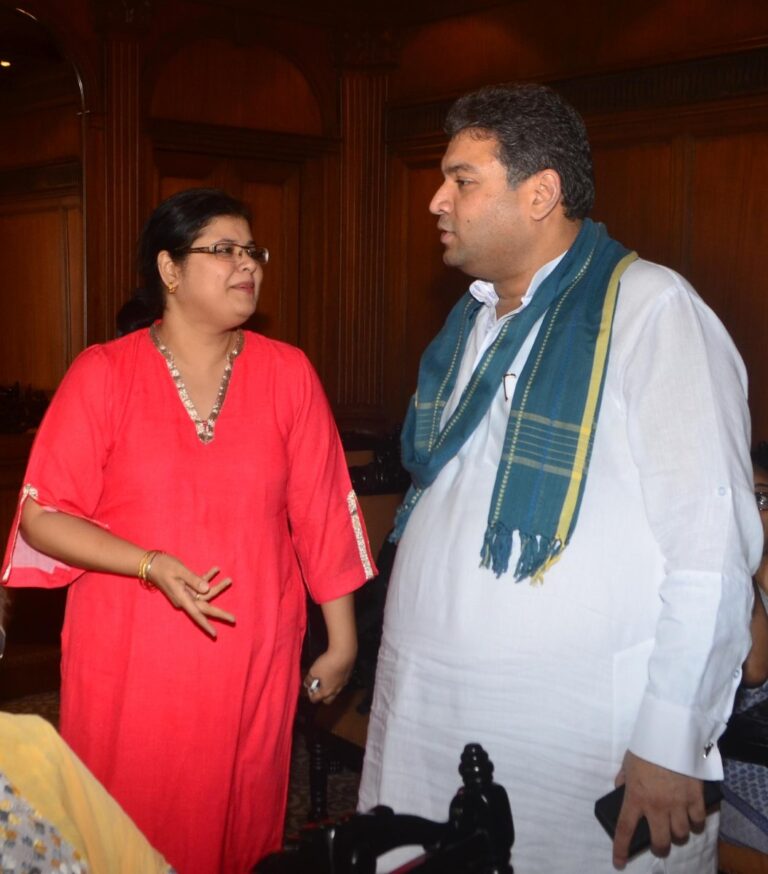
(547, 194)
(168, 270)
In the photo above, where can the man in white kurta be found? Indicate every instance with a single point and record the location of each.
(634, 640)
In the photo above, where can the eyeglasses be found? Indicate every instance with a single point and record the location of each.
(231, 252)
(762, 500)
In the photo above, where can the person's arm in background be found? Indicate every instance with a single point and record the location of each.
(755, 668)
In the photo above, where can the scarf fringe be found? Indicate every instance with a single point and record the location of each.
(536, 552)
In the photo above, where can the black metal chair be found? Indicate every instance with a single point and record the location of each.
(476, 839)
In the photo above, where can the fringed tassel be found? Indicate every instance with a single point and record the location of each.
(536, 553)
(497, 548)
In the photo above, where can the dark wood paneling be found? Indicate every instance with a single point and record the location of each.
(729, 190)
(273, 193)
(359, 390)
(655, 88)
(261, 89)
(420, 289)
(640, 189)
(48, 136)
(41, 306)
(61, 177)
(122, 218)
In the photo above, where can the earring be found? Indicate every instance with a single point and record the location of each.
(171, 288)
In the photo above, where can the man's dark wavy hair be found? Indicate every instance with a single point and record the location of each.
(536, 130)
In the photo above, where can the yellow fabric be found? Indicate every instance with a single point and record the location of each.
(571, 501)
(51, 778)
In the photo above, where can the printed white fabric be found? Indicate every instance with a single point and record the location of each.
(635, 638)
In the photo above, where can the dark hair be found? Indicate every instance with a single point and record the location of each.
(759, 456)
(537, 130)
(173, 226)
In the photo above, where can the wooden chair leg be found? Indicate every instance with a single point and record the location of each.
(318, 779)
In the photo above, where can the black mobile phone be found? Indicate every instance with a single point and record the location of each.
(608, 807)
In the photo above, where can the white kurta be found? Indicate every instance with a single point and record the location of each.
(635, 638)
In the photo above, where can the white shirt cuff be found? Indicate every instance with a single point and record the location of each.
(677, 738)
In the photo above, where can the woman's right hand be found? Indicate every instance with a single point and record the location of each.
(188, 592)
(84, 544)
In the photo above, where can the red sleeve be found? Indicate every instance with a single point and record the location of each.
(66, 464)
(326, 523)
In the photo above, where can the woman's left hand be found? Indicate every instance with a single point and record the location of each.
(329, 674)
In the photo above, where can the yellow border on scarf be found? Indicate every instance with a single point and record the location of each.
(590, 409)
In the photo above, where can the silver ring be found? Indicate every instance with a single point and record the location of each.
(197, 596)
(313, 686)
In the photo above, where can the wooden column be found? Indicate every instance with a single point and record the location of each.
(123, 24)
(366, 61)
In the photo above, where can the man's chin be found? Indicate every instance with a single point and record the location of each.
(452, 258)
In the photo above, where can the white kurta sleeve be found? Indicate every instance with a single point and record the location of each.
(684, 387)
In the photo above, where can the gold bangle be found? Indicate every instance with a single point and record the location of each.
(145, 565)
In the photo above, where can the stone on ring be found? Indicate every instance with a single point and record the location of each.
(313, 686)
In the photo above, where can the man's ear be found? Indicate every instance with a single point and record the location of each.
(547, 193)
(168, 269)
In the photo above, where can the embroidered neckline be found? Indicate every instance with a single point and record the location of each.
(205, 427)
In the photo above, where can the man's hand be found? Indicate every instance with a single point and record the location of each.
(672, 803)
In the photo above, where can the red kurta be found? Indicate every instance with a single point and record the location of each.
(191, 735)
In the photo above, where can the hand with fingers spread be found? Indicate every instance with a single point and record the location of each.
(189, 592)
(672, 803)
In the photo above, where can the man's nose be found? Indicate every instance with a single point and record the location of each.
(440, 202)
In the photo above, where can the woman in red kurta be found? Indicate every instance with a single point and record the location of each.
(189, 725)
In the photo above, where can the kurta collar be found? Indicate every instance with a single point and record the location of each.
(485, 293)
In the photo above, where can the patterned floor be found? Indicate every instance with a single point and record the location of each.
(342, 786)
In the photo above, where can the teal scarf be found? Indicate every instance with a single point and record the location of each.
(548, 442)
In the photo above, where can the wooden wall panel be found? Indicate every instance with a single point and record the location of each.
(528, 40)
(41, 309)
(122, 215)
(274, 204)
(42, 137)
(421, 290)
(261, 89)
(176, 171)
(728, 240)
(638, 195)
(362, 218)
